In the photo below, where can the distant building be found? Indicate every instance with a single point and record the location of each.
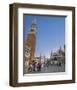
(58, 56)
(41, 59)
(37, 59)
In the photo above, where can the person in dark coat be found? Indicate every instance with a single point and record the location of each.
(39, 67)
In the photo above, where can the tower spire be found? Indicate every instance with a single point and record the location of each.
(33, 27)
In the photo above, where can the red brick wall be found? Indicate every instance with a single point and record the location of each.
(31, 42)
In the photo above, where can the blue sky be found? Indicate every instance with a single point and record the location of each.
(50, 33)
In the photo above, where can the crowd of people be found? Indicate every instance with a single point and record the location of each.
(35, 66)
(41, 66)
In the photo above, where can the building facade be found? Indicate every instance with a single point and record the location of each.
(58, 57)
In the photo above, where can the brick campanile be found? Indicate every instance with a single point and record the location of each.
(31, 40)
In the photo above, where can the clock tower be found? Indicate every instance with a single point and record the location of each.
(31, 40)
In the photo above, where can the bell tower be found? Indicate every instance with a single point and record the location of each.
(33, 27)
(31, 40)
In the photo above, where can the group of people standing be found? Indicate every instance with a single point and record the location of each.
(34, 66)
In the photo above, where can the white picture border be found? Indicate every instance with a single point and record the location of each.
(67, 75)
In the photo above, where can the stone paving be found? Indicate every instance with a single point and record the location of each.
(50, 69)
